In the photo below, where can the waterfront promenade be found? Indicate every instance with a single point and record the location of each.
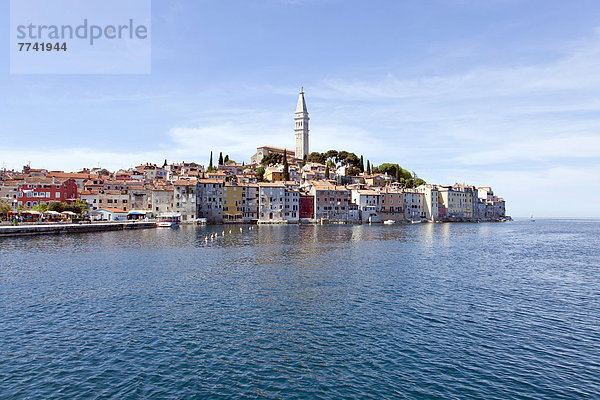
(44, 229)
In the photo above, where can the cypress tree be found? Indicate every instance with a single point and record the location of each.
(368, 167)
(286, 167)
(327, 172)
(210, 164)
(226, 158)
(221, 158)
(362, 164)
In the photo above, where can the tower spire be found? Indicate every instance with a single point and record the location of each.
(301, 108)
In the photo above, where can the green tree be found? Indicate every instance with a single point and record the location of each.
(388, 168)
(272, 159)
(331, 154)
(221, 158)
(42, 207)
(351, 160)
(327, 172)
(5, 208)
(342, 155)
(362, 164)
(56, 206)
(226, 160)
(210, 164)
(81, 206)
(352, 171)
(368, 167)
(316, 158)
(260, 174)
(419, 182)
(286, 167)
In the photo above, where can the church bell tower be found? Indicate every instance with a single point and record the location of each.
(301, 127)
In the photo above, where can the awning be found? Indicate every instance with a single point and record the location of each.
(136, 212)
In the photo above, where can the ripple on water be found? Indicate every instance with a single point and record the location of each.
(418, 311)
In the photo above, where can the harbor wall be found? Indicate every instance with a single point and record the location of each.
(50, 229)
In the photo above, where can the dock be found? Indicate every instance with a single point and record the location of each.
(55, 229)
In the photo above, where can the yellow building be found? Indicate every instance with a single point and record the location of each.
(457, 200)
(273, 174)
(233, 203)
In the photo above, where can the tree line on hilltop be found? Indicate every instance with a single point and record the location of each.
(354, 164)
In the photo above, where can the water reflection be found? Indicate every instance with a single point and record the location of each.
(303, 311)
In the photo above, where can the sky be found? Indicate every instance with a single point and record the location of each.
(499, 93)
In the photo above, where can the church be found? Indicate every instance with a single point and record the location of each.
(301, 132)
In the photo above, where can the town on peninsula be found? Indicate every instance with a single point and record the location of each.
(277, 185)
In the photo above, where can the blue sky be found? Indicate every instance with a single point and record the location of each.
(498, 92)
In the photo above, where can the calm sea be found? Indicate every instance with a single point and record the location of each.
(481, 311)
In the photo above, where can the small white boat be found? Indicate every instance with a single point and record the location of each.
(416, 222)
(532, 219)
(168, 221)
(389, 222)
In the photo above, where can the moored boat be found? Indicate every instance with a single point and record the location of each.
(168, 221)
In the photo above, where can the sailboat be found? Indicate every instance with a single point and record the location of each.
(531, 219)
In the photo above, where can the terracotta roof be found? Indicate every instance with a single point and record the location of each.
(271, 184)
(368, 192)
(210, 181)
(45, 181)
(11, 183)
(113, 210)
(72, 175)
(288, 151)
(184, 183)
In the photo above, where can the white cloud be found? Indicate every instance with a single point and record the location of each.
(537, 149)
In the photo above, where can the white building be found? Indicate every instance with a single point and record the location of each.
(271, 202)
(292, 205)
(184, 199)
(209, 200)
(431, 201)
(109, 214)
(414, 202)
(368, 202)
